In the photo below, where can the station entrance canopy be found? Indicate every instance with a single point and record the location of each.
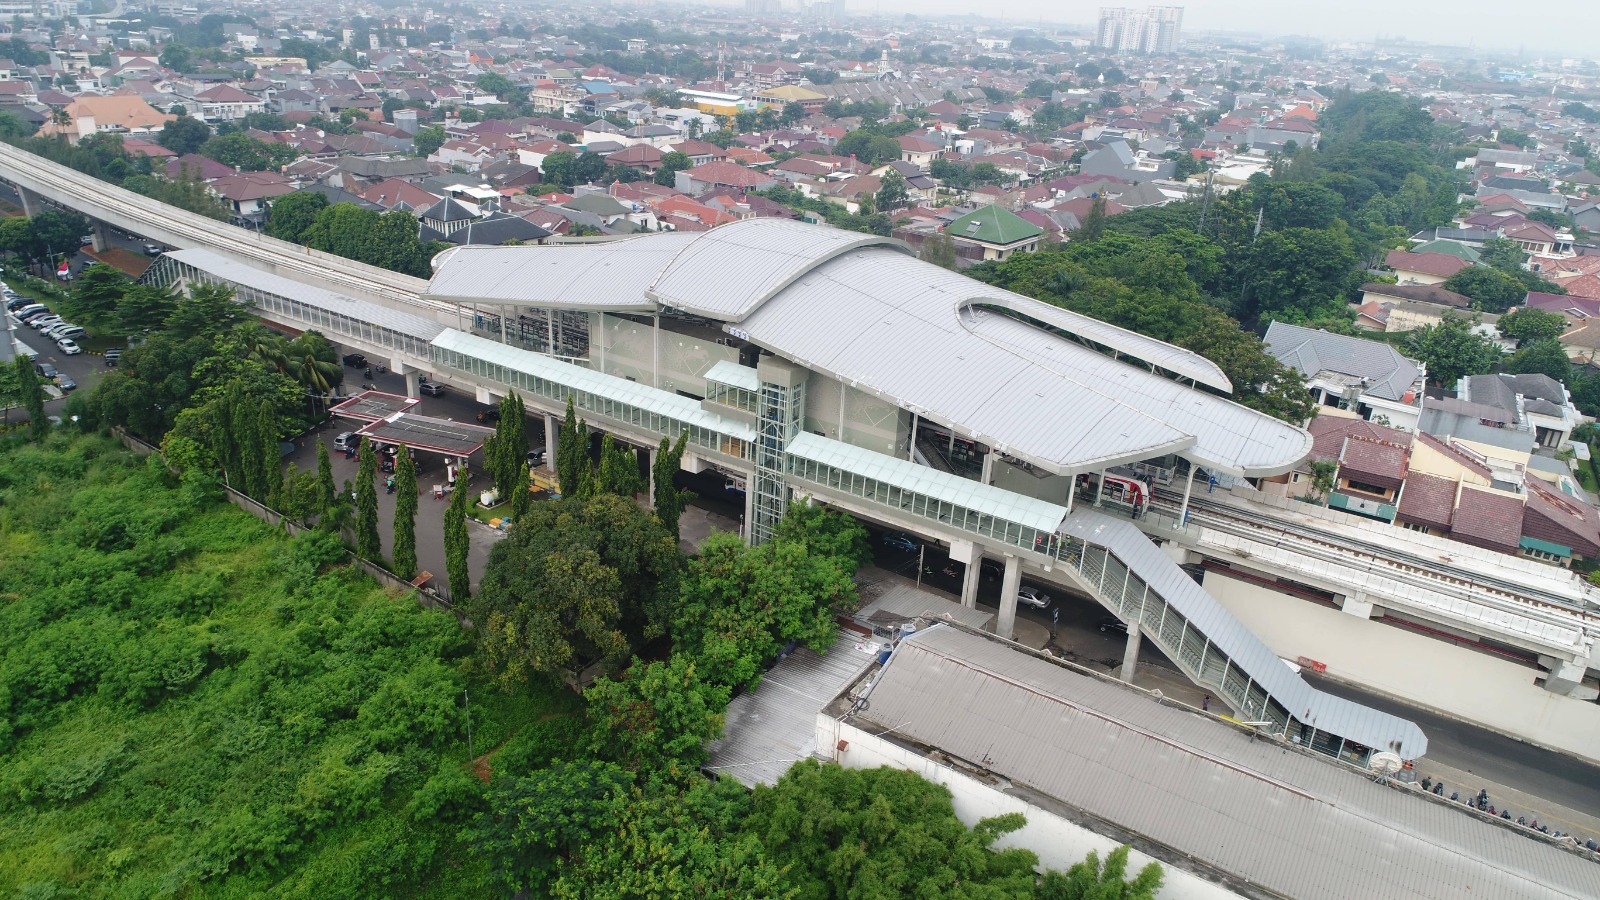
(418, 432)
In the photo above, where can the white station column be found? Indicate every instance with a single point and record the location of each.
(1006, 625)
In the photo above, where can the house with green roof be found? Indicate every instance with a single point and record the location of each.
(1000, 232)
(1450, 248)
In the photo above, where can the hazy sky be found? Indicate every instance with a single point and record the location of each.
(1573, 28)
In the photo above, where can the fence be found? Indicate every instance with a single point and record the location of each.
(426, 596)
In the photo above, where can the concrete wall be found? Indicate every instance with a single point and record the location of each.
(627, 352)
(1471, 685)
(855, 417)
(1053, 488)
(1059, 843)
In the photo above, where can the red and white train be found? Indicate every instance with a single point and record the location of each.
(1126, 491)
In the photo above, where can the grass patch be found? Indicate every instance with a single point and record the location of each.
(193, 704)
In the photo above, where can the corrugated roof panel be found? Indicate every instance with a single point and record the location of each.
(766, 730)
(229, 269)
(1292, 823)
(1374, 728)
(728, 271)
(673, 406)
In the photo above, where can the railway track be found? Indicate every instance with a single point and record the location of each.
(1430, 574)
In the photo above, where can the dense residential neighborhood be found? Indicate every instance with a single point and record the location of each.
(826, 452)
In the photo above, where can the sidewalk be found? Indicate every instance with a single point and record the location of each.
(1553, 815)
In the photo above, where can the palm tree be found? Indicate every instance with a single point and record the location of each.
(312, 361)
(263, 345)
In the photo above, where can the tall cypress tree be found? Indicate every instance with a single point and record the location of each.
(32, 396)
(521, 496)
(405, 514)
(572, 453)
(325, 488)
(270, 475)
(368, 544)
(669, 498)
(456, 545)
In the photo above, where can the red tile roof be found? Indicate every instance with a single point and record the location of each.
(1488, 520)
(1442, 265)
(1427, 500)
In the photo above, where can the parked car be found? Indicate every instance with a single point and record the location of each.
(1113, 626)
(65, 382)
(433, 389)
(69, 346)
(23, 312)
(355, 360)
(1032, 596)
(348, 440)
(40, 323)
(490, 415)
(535, 457)
(45, 370)
(154, 249)
(54, 331)
(113, 356)
(899, 540)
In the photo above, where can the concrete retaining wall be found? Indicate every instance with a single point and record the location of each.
(1468, 684)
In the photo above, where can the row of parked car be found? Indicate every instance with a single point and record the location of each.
(44, 321)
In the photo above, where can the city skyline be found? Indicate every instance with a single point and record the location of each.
(1457, 22)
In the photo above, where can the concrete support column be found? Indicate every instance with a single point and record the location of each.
(1006, 625)
(1188, 488)
(413, 384)
(552, 436)
(102, 236)
(648, 455)
(911, 445)
(1357, 605)
(482, 395)
(749, 507)
(970, 555)
(32, 203)
(1566, 678)
(988, 467)
(1130, 653)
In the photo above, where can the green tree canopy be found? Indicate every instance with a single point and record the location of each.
(578, 580)
(1453, 349)
(1528, 325)
(290, 216)
(184, 135)
(428, 139)
(870, 147)
(1494, 290)
(1545, 356)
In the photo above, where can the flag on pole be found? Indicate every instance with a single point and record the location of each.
(65, 269)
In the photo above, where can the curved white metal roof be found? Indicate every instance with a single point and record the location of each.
(609, 276)
(863, 309)
(727, 272)
(1176, 360)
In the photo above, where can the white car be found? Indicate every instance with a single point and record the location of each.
(69, 346)
(44, 322)
(1032, 596)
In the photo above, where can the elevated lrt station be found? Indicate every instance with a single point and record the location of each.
(820, 364)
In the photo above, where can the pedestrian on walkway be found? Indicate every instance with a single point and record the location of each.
(1205, 703)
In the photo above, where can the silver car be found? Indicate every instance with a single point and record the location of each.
(1032, 596)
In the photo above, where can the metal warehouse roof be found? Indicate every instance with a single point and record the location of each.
(609, 276)
(1290, 823)
(930, 482)
(222, 267)
(1325, 712)
(729, 271)
(770, 728)
(577, 378)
